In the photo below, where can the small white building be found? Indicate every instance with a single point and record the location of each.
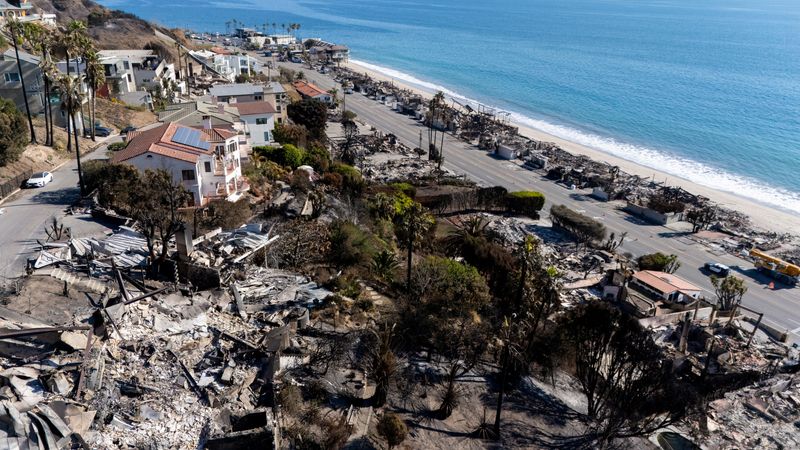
(665, 286)
(258, 119)
(206, 161)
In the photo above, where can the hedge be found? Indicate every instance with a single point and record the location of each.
(528, 203)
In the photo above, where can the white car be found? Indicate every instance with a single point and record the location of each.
(39, 179)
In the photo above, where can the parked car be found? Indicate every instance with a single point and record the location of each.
(39, 179)
(101, 131)
(127, 129)
(717, 269)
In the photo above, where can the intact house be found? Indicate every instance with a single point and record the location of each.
(226, 64)
(11, 87)
(258, 119)
(132, 74)
(206, 161)
(15, 9)
(22, 10)
(310, 90)
(665, 286)
(193, 114)
(276, 94)
(237, 93)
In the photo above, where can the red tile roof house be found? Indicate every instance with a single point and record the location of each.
(205, 161)
(259, 121)
(309, 90)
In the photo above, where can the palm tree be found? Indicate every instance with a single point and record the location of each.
(40, 38)
(71, 103)
(16, 31)
(96, 78)
(86, 50)
(72, 42)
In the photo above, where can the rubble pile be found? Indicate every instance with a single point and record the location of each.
(158, 368)
(220, 248)
(765, 415)
(390, 170)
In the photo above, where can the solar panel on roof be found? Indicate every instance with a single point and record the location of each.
(190, 137)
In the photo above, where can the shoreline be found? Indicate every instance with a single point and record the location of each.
(761, 216)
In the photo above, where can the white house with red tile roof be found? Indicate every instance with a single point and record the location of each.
(258, 119)
(310, 90)
(206, 161)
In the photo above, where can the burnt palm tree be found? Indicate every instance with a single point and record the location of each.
(71, 103)
(16, 30)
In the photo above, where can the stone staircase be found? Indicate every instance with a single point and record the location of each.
(79, 281)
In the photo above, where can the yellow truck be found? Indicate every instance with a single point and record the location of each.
(775, 267)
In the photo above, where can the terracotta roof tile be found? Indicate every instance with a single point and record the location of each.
(158, 140)
(307, 89)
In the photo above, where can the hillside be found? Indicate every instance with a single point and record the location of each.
(113, 29)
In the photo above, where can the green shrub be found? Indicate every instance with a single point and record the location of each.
(286, 155)
(659, 262)
(582, 227)
(117, 146)
(352, 245)
(528, 203)
(352, 181)
(318, 158)
(14, 134)
(406, 188)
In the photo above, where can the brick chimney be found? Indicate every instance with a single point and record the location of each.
(206, 122)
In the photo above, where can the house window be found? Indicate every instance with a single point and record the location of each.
(11, 77)
(187, 175)
(278, 108)
(258, 97)
(280, 120)
(129, 78)
(261, 121)
(266, 136)
(207, 165)
(126, 65)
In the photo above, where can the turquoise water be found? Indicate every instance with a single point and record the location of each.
(705, 90)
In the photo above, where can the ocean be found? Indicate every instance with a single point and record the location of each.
(707, 91)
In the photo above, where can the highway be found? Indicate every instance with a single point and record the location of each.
(781, 306)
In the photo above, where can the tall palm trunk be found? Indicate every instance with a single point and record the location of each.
(94, 108)
(83, 117)
(22, 81)
(68, 118)
(48, 141)
(49, 110)
(78, 156)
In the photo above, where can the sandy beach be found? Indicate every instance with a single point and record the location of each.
(760, 215)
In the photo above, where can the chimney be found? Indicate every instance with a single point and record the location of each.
(206, 122)
(221, 108)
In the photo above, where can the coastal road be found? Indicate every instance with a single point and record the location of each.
(781, 307)
(25, 215)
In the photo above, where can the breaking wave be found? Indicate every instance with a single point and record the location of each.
(680, 167)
